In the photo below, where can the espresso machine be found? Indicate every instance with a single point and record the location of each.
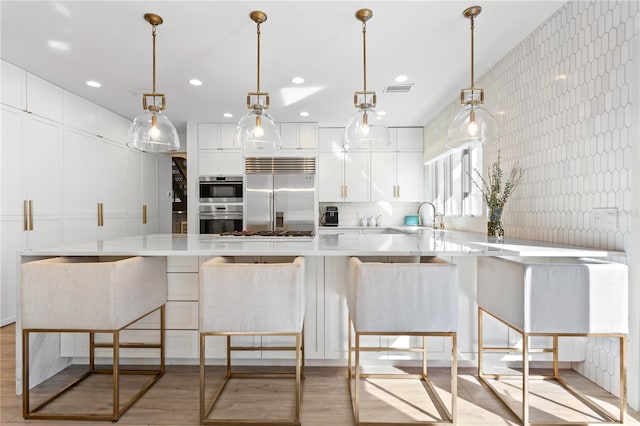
(331, 216)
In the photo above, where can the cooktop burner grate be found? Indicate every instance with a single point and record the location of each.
(267, 234)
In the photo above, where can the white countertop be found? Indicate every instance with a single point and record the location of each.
(415, 242)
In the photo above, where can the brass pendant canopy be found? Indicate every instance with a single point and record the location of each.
(365, 128)
(152, 131)
(473, 124)
(257, 130)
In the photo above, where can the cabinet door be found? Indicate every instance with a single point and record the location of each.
(409, 176)
(11, 162)
(221, 163)
(289, 135)
(356, 176)
(409, 139)
(336, 313)
(308, 136)
(227, 134)
(43, 98)
(80, 114)
(112, 180)
(331, 139)
(133, 172)
(383, 174)
(113, 127)
(13, 89)
(80, 180)
(42, 165)
(330, 176)
(208, 136)
(12, 240)
(150, 191)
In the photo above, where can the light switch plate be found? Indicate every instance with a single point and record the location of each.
(604, 218)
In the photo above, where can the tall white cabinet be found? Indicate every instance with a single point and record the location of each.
(60, 157)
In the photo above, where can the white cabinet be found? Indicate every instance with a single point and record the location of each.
(216, 136)
(13, 88)
(299, 136)
(31, 201)
(80, 114)
(220, 163)
(408, 138)
(112, 126)
(396, 176)
(343, 176)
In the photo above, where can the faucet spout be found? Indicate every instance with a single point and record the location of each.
(434, 213)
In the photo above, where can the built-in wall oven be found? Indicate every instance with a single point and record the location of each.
(221, 204)
(219, 218)
(220, 189)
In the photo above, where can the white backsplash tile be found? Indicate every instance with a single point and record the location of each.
(562, 99)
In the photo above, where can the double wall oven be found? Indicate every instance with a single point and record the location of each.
(221, 204)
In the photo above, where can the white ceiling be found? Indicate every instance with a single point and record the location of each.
(215, 41)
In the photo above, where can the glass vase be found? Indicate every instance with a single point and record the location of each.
(494, 225)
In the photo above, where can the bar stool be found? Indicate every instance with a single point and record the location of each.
(258, 299)
(403, 299)
(554, 298)
(91, 295)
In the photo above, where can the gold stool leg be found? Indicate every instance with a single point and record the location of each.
(454, 378)
(25, 373)
(623, 377)
(525, 379)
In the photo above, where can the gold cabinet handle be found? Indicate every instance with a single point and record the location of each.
(100, 217)
(144, 214)
(30, 215)
(397, 191)
(346, 191)
(25, 215)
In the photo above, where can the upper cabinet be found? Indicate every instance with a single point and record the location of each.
(389, 174)
(29, 93)
(299, 136)
(216, 136)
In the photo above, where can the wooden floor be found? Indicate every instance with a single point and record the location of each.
(174, 399)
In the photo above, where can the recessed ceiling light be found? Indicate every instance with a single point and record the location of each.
(58, 45)
(401, 78)
(195, 82)
(93, 83)
(304, 114)
(381, 113)
(297, 80)
(227, 115)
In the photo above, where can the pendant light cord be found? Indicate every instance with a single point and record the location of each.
(472, 66)
(153, 33)
(258, 32)
(364, 56)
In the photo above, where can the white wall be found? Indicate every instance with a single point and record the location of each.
(576, 137)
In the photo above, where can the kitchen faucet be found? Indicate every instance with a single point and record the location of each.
(434, 213)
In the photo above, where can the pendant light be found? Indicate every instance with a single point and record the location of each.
(257, 130)
(365, 129)
(473, 124)
(152, 131)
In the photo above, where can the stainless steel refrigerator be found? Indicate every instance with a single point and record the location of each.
(280, 194)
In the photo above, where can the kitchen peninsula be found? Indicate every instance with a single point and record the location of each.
(326, 275)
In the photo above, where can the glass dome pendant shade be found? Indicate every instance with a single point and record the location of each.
(473, 123)
(257, 130)
(152, 131)
(365, 129)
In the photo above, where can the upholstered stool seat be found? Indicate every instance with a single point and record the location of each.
(555, 298)
(239, 299)
(403, 299)
(92, 295)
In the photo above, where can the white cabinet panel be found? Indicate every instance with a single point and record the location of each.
(112, 126)
(12, 240)
(42, 165)
(220, 163)
(299, 136)
(80, 229)
(182, 286)
(133, 175)
(330, 176)
(43, 98)
(80, 114)
(182, 344)
(11, 161)
(182, 264)
(150, 183)
(112, 190)
(330, 139)
(383, 176)
(227, 134)
(289, 135)
(182, 315)
(356, 176)
(409, 176)
(80, 180)
(46, 233)
(208, 136)
(308, 136)
(13, 89)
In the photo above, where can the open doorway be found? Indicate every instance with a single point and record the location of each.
(179, 193)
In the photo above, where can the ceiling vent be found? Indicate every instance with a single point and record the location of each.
(398, 88)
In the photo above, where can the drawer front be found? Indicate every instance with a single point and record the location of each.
(182, 286)
(178, 316)
(182, 264)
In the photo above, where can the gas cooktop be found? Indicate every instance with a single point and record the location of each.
(269, 234)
